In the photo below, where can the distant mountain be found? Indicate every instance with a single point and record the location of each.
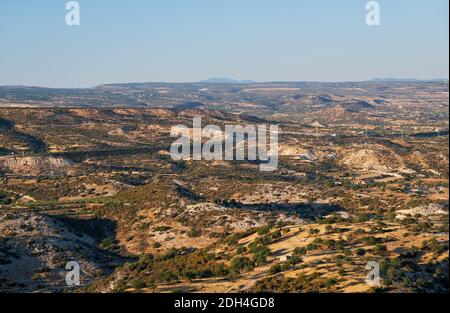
(389, 79)
(406, 80)
(220, 80)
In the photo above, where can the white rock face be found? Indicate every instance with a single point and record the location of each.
(364, 159)
(299, 152)
(36, 165)
(424, 210)
(372, 158)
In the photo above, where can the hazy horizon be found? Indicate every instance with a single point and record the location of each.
(189, 41)
(378, 79)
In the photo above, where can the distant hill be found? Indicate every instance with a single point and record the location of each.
(407, 80)
(220, 80)
(389, 79)
(357, 106)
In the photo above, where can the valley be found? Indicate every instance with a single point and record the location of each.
(362, 176)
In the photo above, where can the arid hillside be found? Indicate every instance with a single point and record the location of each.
(362, 176)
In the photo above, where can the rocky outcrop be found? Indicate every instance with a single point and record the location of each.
(371, 158)
(424, 210)
(35, 249)
(36, 165)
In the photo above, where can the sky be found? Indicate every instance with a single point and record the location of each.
(191, 40)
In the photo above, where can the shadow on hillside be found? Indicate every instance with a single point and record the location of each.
(48, 252)
(185, 192)
(411, 275)
(302, 210)
(104, 232)
(96, 228)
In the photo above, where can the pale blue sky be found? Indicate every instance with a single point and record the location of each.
(190, 40)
